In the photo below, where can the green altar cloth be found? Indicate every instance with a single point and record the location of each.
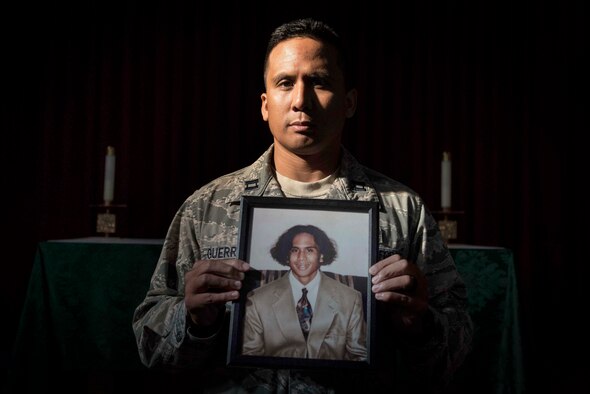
(75, 330)
(495, 365)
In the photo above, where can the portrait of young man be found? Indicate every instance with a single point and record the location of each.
(305, 313)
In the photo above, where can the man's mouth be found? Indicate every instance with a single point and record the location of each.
(301, 126)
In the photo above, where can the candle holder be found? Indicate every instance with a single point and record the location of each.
(448, 223)
(106, 221)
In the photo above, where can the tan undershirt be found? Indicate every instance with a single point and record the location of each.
(297, 189)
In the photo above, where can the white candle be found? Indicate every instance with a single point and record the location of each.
(109, 176)
(445, 185)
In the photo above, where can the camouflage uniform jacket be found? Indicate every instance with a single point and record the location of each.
(206, 227)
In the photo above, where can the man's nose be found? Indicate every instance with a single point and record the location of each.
(302, 96)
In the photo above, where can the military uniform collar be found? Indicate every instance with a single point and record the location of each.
(258, 179)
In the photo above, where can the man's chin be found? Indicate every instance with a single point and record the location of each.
(308, 147)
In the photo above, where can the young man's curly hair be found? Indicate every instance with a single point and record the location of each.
(281, 250)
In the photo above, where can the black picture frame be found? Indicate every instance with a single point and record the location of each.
(353, 228)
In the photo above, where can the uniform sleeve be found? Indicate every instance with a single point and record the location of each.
(439, 358)
(159, 322)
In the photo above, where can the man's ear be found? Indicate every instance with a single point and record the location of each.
(321, 258)
(263, 107)
(351, 99)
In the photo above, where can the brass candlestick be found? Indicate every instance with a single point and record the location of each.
(446, 225)
(106, 221)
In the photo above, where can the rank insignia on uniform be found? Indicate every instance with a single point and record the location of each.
(253, 184)
(359, 187)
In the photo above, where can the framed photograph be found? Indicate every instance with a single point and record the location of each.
(306, 300)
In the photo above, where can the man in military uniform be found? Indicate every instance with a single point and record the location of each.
(421, 298)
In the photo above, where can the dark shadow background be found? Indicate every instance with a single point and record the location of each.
(175, 88)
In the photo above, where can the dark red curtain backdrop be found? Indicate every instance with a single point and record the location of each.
(175, 88)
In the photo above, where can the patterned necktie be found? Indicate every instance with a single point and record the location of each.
(304, 313)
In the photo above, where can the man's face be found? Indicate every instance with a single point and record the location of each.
(304, 257)
(305, 103)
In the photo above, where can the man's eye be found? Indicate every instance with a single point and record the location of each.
(320, 82)
(285, 84)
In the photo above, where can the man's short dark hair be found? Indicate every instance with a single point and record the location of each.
(310, 28)
(282, 249)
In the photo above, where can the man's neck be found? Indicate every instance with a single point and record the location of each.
(305, 168)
